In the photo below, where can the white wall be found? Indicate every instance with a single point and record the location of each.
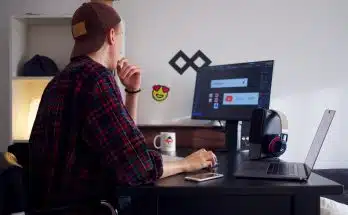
(307, 40)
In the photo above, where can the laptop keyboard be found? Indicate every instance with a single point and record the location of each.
(281, 169)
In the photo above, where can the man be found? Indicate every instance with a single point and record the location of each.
(84, 141)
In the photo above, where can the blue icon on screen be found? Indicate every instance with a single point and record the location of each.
(216, 105)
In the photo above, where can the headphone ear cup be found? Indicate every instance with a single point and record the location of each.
(279, 148)
(268, 142)
(273, 145)
(283, 147)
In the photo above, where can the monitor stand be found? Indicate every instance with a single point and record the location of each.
(231, 136)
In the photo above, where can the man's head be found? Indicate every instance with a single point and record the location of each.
(97, 32)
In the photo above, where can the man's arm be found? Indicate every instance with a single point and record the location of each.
(111, 132)
(131, 104)
(172, 168)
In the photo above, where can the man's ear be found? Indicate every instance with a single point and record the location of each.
(111, 36)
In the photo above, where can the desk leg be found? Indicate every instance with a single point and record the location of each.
(306, 204)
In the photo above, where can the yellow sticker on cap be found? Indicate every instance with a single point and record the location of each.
(79, 29)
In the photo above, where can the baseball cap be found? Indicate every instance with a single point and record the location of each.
(90, 24)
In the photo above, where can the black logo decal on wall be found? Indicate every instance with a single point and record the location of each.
(189, 62)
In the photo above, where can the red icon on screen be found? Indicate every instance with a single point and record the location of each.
(229, 98)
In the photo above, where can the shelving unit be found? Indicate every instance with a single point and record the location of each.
(32, 34)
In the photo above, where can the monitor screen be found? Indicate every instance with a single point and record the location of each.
(232, 92)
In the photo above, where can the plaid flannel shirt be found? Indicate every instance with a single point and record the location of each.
(83, 142)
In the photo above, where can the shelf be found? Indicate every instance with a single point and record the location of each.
(42, 19)
(32, 35)
(20, 141)
(32, 78)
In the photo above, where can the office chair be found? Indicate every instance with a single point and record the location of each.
(14, 197)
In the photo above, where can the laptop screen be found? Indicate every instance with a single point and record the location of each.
(319, 139)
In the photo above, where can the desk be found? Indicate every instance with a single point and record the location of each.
(228, 195)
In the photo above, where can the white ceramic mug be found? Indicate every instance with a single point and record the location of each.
(167, 141)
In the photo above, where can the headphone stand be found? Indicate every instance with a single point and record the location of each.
(231, 136)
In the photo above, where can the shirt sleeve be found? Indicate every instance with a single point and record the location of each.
(112, 132)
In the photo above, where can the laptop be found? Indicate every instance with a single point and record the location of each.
(289, 170)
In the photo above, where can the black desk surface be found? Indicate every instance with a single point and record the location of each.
(230, 185)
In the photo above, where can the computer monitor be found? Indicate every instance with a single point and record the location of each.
(230, 93)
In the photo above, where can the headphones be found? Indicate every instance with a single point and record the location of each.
(274, 145)
(269, 131)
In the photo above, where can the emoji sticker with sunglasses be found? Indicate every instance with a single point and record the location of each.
(160, 93)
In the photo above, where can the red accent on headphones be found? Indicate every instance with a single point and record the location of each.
(272, 145)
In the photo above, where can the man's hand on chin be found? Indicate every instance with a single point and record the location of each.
(130, 77)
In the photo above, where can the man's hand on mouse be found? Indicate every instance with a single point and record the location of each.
(130, 75)
(199, 160)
